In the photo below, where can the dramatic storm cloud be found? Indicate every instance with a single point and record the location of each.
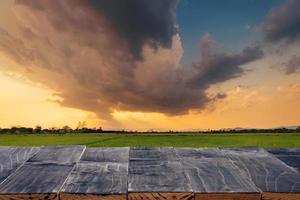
(111, 55)
(282, 23)
(141, 21)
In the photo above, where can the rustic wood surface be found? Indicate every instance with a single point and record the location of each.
(58, 154)
(36, 179)
(118, 155)
(160, 196)
(267, 172)
(12, 157)
(228, 196)
(210, 171)
(280, 196)
(73, 172)
(156, 170)
(29, 197)
(97, 178)
(100, 171)
(291, 157)
(153, 153)
(64, 196)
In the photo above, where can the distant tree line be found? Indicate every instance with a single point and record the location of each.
(54, 130)
(82, 129)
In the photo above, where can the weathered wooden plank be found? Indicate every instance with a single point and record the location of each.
(64, 196)
(29, 197)
(68, 155)
(290, 156)
(153, 153)
(100, 174)
(97, 178)
(12, 157)
(280, 196)
(228, 196)
(160, 196)
(211, 172)
(35, 179)
(118, 155)
(152, 170)
(199, 153)
(155, 176)
(267, 172)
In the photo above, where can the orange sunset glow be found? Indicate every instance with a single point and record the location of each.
(66, 62)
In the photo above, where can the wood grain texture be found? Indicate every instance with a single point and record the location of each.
(290, 156)
(199, 153)
(160, 196)
(118, 155)
(97, 178)
(280, 196)
(29, 197)
(228, 196)
(156, 170)
(153, 153)
(67, 155)
(12, 157)
(65, 196)
(36, 179)
(267, 172)
(210, 171)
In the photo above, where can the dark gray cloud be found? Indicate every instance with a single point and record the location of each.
(89, 56)
(283, 23)
(220, 67)
(141, 21)
(281, 31)
(293, 65)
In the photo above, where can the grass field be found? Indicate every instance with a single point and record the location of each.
(118, 140)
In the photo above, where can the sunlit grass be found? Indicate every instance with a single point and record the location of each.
(119, 140)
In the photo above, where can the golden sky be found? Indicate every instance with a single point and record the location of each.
(55, 72)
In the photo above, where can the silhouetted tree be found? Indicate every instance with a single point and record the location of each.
(38, 129)
(66, 129)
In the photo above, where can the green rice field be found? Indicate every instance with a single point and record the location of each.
(159, 140)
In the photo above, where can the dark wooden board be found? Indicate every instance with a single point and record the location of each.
(64, 196)
(210, 171)
(228, 196)
(153, 153)
(280, 196)
(284, 151)
(68, 155)
(198, 153)
(160, 196)
(267, 172)
(71, 172)
(97, 178)
(118, 155)
(156, 170)
(36, 179)
(291, 156)
(29, 197)
(12, 157)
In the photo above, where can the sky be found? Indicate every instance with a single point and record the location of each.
(144, 65)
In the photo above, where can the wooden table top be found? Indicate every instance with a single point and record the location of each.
(77, 172)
